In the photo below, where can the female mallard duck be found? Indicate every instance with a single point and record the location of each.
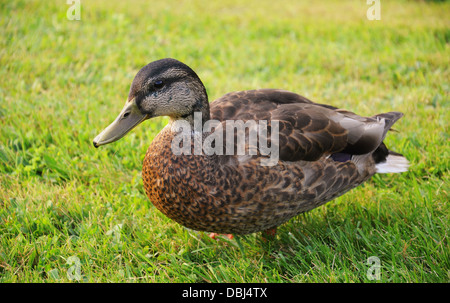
(322, 151)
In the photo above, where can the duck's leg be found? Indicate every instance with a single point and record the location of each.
(215, 235)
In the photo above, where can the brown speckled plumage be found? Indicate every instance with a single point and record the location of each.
(236, 194)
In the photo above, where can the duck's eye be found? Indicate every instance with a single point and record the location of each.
(158, 84)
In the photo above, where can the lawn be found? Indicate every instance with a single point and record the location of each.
(73, 213)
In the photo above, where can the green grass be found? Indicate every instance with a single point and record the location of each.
(63, 81)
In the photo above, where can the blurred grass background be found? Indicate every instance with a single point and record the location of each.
(63, 81)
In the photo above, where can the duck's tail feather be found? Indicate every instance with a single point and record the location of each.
(394, 163)
(387, 161)
(389, 119)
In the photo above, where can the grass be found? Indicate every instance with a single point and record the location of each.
(67, 208)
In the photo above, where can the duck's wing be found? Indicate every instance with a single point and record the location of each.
(307, 130)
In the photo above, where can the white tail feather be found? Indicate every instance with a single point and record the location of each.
(393, 164)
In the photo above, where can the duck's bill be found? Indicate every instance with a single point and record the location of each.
(129, 117)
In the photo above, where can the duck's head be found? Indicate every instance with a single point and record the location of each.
(166, 87)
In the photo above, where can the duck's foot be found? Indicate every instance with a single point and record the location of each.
(269, 234)
(215, 235)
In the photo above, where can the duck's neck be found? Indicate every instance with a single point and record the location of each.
(200, 107)
(197, 117)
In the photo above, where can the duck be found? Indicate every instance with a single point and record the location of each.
(305, 154)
